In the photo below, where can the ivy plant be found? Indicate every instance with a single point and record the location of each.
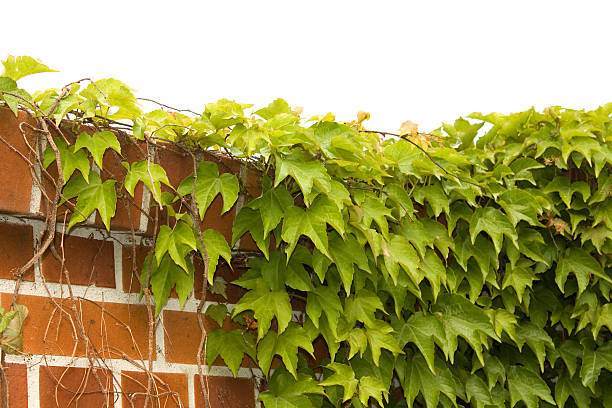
(467, 266)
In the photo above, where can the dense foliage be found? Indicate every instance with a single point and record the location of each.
(469, 266)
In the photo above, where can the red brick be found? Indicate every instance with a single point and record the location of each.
(15, 177)
(66, 387)
(215, 220)
(130, 280)
(48, 330)
(17, 378)
(169, 389)
(226, 392)
(87, 261)
(253, 182)
(320, 352)
(64, 211)
(177, 163)
(16, 247)
(182, 337)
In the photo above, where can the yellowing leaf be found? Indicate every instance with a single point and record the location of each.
(408, 128)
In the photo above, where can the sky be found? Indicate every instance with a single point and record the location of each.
(427, 61)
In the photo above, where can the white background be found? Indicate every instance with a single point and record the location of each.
(425, 61)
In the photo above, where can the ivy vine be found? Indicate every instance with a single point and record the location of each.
(467, 266)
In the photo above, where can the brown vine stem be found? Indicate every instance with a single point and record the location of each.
(75, 312)
(429, 156)
(168, 107)
(51, 219)
(195, 217)
(194, 212)
(151, 331)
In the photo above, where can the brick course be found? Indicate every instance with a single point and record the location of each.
(54, 370)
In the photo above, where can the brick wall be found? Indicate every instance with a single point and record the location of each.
(54, 369)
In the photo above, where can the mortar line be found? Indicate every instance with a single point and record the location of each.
(33, 381)
(35, 193)
(118, 255)
(191, 390)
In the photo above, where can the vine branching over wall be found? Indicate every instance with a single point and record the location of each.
(458, 267)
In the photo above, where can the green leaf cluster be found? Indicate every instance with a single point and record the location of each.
(461, 267)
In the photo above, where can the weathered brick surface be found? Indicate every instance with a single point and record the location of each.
(50, 330)
(215, 220)
(170, 389)
(88, 261)
(67, 387)
(182, 345)
(16, 248)
(226, 392)
(15, 177)
(116, 329)
(17, 378)
(130, 279)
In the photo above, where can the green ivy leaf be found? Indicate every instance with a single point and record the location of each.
(570, 350)
(476, 387)
(324, 299)
(216, 246)
(209, 184)
(402, 253)
(361, 307)
(231, 346)
(494, 223)
(347, 253)
(416, 377)
(375, 210)
(286, 345)
(247, 220)
(165, 275)
(566, 189)
(19, 67)
(582, 265)
(287, 392)
(526, 386)
(177, 242)
(271, 206)
(10, 86)
(306, 172)
(536, 338)
(151, 174)
(519, 205)
(593, 360)
(435, 196)
(519, 277)
(97, 144)
(567, 387)
(379, 337)
(12, 335)
(266, 305)
(422, 330)
(217, 312)
(371, 387)
(92, 196)
(310, 222)
(343, 376)
(461, 318)
(71, 160)
(463, 131)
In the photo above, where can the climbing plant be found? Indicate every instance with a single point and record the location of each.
(467, 266)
